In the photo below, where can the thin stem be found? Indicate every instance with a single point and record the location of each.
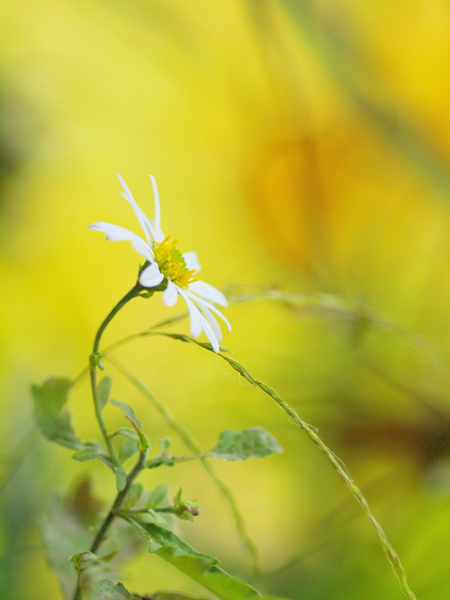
(94, 361)
(194, 447)
(112, 511)
(338, 465)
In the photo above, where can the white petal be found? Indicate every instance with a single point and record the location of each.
(212, 321)
(210, 306)
(170, 294)
(114, 233)
(194, 313)
(191, 259)
(209, 333)
(143, 220)
(151, 276)
(209, 292)
(159, 234)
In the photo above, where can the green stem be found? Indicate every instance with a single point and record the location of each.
(112, 512)
(193, 446)
(94, 361)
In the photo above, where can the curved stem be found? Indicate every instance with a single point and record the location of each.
(94, 362)
(112, 512)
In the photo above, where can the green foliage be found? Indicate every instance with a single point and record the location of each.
(104, 589)
(157, 495)
(103, 392)
(51, 413)
(200, 567)
(92, 571)
(144, 442)
(255, 442)
(91, 451)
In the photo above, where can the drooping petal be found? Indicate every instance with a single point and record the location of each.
(202, 302)
(115, 233)
(159, 234)
(141, 217)
(194, 313)
(212, 321)
(209, 333)
(170, 294)
(208, 292)
(151, 276)
(191, 260)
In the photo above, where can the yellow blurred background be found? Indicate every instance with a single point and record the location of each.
(298, 145)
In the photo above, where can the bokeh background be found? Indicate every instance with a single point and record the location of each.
(301, 146)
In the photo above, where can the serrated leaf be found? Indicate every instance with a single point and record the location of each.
(255, 442)
(157, 495)
(52, 415)
(144, 442)
(200, 567)
(103, 391)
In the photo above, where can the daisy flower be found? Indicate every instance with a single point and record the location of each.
(169, 270)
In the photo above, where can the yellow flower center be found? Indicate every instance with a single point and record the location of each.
(171, 263)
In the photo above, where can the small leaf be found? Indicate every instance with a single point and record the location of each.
(128, 447)
(134, 494)
(52, 416)
(200, 567)
(106, 590)
(157, 495)
(103, 392)
(126, 432)
(164, 444)
(144, 442)
(90, 451)
(121, 479)
(249, 443)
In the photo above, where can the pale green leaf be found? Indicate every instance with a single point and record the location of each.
(249, 443)
(200, 567)
(144, 442)
(103, 391)
(51, 413)
(157, 495)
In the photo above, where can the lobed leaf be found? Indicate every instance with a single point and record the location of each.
(255, 442)
(200, 567)
(52, 415)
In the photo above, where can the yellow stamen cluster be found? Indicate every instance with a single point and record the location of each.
(172, 264)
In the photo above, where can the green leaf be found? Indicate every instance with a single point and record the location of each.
(106, 590)
(103, 392)
(92, 571)
(157, 495)
(52, 416)
(91, 451)
(200, 567)
(144, 442)
(128, 447)
(134, 494)
(249, 443)
(126, 432)
(121, 479)
(65, 530)
(164, 444)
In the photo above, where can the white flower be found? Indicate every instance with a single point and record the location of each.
(168, 264)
